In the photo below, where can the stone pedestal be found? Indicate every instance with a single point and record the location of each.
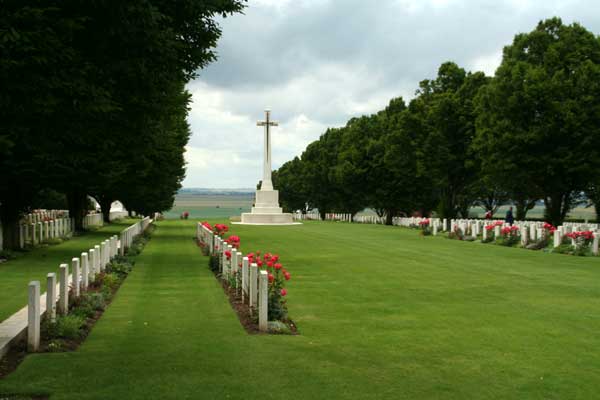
(266, 210)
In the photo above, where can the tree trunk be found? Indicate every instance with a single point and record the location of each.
(322, 215)
(557, 207)
(523, 206)
(389, 216)
(105, 203)
(77, 208)
(10, 231)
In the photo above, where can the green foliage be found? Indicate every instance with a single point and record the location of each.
(232, 281)
(531, 132)
(507, 240)
(55, 346)
(111, 281)
(121, 269)
(55, 241)
(8, 254)
(66, 327)
(214, 263)
(539, 244)
(85, 83)
(456, 234)
(87, 304)
(564, 248)
(539, 118)
(289, 180)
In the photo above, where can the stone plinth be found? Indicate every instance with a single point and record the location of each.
(266, 210)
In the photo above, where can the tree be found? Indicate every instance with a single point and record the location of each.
(448, 129)
(289, 180)
(319, 159)
(539, 119)
(93, 99)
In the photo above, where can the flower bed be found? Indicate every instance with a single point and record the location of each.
(229, 265)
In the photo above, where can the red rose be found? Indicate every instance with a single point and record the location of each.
(259, 263)
(278, 266)
(287, 276)
(270, 264)
(271, 278)
(283, 292)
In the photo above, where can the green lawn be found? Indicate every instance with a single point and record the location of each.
(36, 264)
(383, 314)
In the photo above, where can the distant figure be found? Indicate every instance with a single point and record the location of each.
(509, 216)
(488, 214)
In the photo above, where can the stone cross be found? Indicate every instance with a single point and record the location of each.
(267, 184)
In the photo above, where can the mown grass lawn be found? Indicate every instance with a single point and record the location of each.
(36, 264)
(383, 314)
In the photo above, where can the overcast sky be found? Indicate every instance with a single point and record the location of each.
(317, 63)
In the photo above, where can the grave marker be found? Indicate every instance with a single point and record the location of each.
(85, 272)
(92, 264)
(263, 294)
(245, 271)
(253, 285)
(76, 283)
(33, 317)
(51, 296)
(63, 301)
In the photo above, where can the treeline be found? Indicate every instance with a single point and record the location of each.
(530, 133)
(92, 100)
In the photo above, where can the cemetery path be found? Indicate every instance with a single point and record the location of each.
(16, 274)
(382, 312)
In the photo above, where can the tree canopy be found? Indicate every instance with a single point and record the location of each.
(530, 132)
(93, 99)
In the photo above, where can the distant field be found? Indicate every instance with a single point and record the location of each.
(211, 206)
(538, 213)
(224, 206)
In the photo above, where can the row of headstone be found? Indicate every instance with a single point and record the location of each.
(338, 217)
(94, 219)
(43, 215)
(251, 282)
(308, 216)
(528, 231)
(344, 217)
(84, 269)
(39, 232)
(128, 234)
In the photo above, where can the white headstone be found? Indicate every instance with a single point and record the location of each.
(92, 264)
(263, 301)
(51, 296)
(245, 271)
(76, 282)
(63, 301)
(253, 285)
(33, 317)
(85, 271)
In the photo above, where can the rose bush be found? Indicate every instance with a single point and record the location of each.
(581, 242)
(277, 276)
(425, 226)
